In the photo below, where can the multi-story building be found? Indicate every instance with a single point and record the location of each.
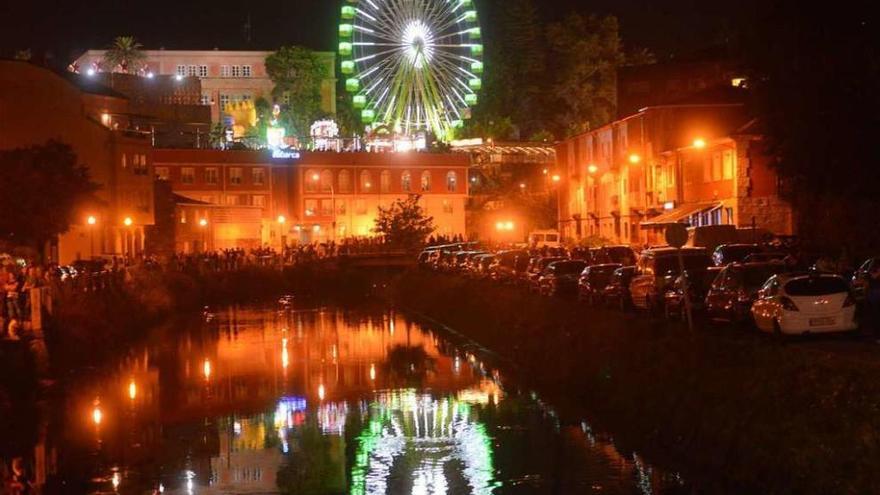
(38, 105)
(226, 76)
(249, 199)
(693, 161)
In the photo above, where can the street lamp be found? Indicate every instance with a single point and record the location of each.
(556, 178)
(592, 168)
(203, 223)
(281, 221)
(634, 158)
(699, 143)
(91, 221)
(128, 222)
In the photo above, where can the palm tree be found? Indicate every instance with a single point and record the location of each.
(125, 53)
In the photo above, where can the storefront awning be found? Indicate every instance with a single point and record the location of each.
(679, 214)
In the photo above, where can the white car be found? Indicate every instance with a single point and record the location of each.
(805, 303)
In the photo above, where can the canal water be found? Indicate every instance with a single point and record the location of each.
(311, 401)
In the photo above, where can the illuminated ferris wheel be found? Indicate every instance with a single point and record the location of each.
(412, 65)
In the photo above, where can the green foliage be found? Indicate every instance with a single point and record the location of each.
(404, 224)
(126, 54)
(297, 73)
(586, 53)
(42, 188)
(217, 136)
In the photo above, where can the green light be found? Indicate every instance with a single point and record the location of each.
(475, 83)
(475, 33)
(347, 67)
(345, 30)
(348, 12)
(352, 84)
(470, 99)
(470, 16)
(476, 49)
(360, 101)
(345, 48)
(457, 124)
(477, 67)
(368, 116)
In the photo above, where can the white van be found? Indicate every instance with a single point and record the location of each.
(542, 238)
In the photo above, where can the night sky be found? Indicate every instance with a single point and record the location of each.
(65, 27)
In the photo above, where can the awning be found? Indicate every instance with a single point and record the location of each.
(677, 215)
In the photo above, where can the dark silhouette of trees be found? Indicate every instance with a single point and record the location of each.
(42, 187)
(404, 223)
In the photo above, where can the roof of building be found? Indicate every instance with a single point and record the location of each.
(362, 159)
(91, 86)
(723, 94)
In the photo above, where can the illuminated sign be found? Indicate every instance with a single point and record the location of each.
(285, 154)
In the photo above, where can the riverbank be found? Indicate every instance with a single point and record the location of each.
(731, 411)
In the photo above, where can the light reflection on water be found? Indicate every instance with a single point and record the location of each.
(321, 401)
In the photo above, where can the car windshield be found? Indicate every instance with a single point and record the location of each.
(603, 269)
(733, 254)
(669, 264)
(815, 286)
(568, 267)
(622, 255)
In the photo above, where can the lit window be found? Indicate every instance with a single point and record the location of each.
(310, 184)
(451, 181)
(360, 207)
(233, 200)
(426, 181)
(235, 175)
(193, 71)
(326, 181)
(205, 99)
(187, 175)
(728, 161)
(224, 100)
(326, 207)
(162, 173)
(406, 181)
(366, 180)
(258, 176)
(224, 71)
(344, 181)
(245, 71)
(258, 200)
(311, 207)
(124, 161)
(211, 176)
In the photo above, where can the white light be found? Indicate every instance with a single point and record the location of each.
(178, 77)
(150, 75)
(90, 72)
(419, 42)
(669, 205)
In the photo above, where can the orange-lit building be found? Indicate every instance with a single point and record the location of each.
(249, 199)
(38, 105)
(696, 161)
(226, 76)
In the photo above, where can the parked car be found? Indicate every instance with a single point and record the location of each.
(616, 293)
(712, 236)
(805, 303)
(482, 264)
(505, 267)
(622, 255)
(544, 238)
(593, 281)
(860, 278)
(658, 269)
(699, 281)
(536, 268)
(765, 257)
(731, 295)
(560, 277)
(726, 254)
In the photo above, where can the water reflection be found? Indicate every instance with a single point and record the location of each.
(318, 401)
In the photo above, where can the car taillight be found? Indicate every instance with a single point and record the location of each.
(850, 301)
(788, 304)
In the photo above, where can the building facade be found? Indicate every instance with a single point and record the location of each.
(694, 161)
(226, 76)
(249, 199)
(39, 105)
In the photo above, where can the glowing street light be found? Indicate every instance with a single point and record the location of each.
(372, 371)
(206, 369)
(127, 221)
(321, 392)
(634, 158)
(281, 219)
(556, 178)
(699, 143)
(203, 222)
(91, 220)
(132, 390)
(97, 414)
(522, 186)
(592, 168)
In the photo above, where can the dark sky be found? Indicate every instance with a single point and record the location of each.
(65, 26)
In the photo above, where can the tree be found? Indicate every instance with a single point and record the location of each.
(586, 52)
(125, 54)
(298, 74)
(404, 224)
(42, 187)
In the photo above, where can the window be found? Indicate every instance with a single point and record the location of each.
(406, 181)
(385, 181)
(211, 176)
(360, 207)
(326, 181)
(426, 181)
(183, 216)
(124, 161)
(309, 179)
(140, 164)
(341, 208)
(224, 71)
(447, 206)
(235, 175)
(311, 207)
(707, 170)
(727, 160)
(162, 173)
(366, 180)
(258, 176)
(344, 181)
(224, 100)
(181, 70)
(326, 207)
(205, 99)
(187, 175)
(451, 181)
(232, 200)
(203, 71)
(716, 167)
(245, 71)
(236, 71)
(193, 71)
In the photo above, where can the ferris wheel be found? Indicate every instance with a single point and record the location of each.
(412, 65)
